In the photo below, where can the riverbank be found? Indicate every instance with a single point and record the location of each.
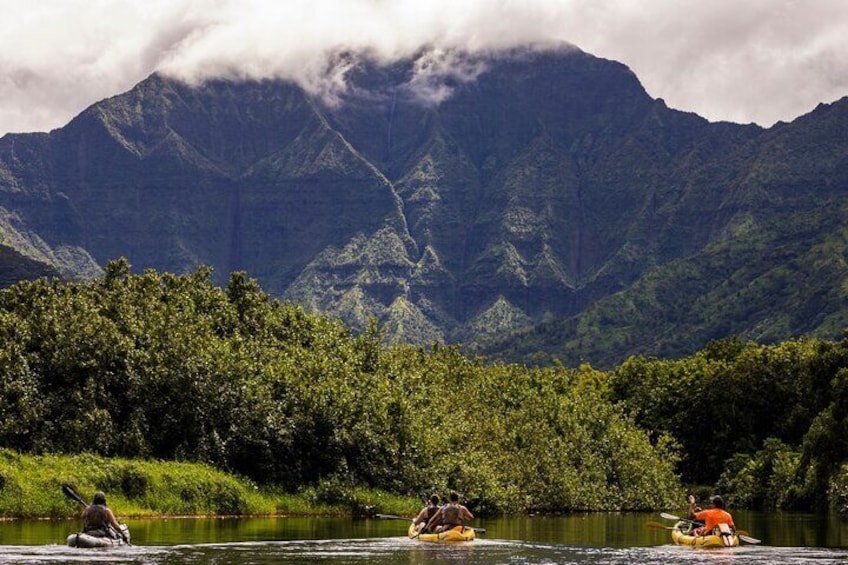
(31, 487)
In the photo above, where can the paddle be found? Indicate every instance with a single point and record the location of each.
(742, 536)
(472, 504)
(72, 494)
(658, 526)
(393, 517)
(668, 516)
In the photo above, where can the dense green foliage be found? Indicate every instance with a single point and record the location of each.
(169, 367)
(30, 486)
(175, 368)
(767, 423)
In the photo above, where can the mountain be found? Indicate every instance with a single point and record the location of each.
(532, 204)
(15, 267)
(773, 265)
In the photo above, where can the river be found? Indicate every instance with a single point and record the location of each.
(577, 538)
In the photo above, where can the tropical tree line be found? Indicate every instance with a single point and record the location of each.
(765, 424)
(168, 367)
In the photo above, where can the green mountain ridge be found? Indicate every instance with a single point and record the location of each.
(538, 192)
(776, 269)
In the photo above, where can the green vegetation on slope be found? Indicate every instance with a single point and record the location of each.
(765, 278)
(175, 368)
(30, 487)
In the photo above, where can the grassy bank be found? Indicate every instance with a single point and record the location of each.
(31, 487)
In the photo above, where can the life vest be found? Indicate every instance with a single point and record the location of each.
(95, 519)
(431, 511)
(450, 515)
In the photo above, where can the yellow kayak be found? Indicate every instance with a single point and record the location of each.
(459, 533)
(681, 535)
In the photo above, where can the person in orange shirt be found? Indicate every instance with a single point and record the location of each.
(711, 517)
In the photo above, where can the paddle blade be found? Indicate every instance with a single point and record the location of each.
(668, 516)
(657, 526)
(393, 517)
(748, 539)
(72, 494)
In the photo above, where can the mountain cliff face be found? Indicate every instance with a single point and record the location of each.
(15, 267)
(459, 202)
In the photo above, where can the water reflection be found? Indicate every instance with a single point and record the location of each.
(579, 539)
(400, 551)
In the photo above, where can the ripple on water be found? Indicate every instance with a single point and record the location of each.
(391, 551)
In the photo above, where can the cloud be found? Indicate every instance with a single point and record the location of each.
(430, 70)
(57, 57)
(295, 40)
(759, 60)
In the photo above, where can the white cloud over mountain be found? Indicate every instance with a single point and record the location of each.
(759, 60)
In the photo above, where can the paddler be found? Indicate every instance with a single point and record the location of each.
(450, 515)
(427, 513)
(97, 519)
(711, 517)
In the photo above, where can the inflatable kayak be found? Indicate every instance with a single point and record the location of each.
(681, 535)
(85, 540)
(459, 533)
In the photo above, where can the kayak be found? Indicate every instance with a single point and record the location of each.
(459, 533)
(86, 540)
(681, 535)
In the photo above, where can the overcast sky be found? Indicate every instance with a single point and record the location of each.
(739, 60)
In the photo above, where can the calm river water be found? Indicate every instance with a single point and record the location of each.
(579, 539)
